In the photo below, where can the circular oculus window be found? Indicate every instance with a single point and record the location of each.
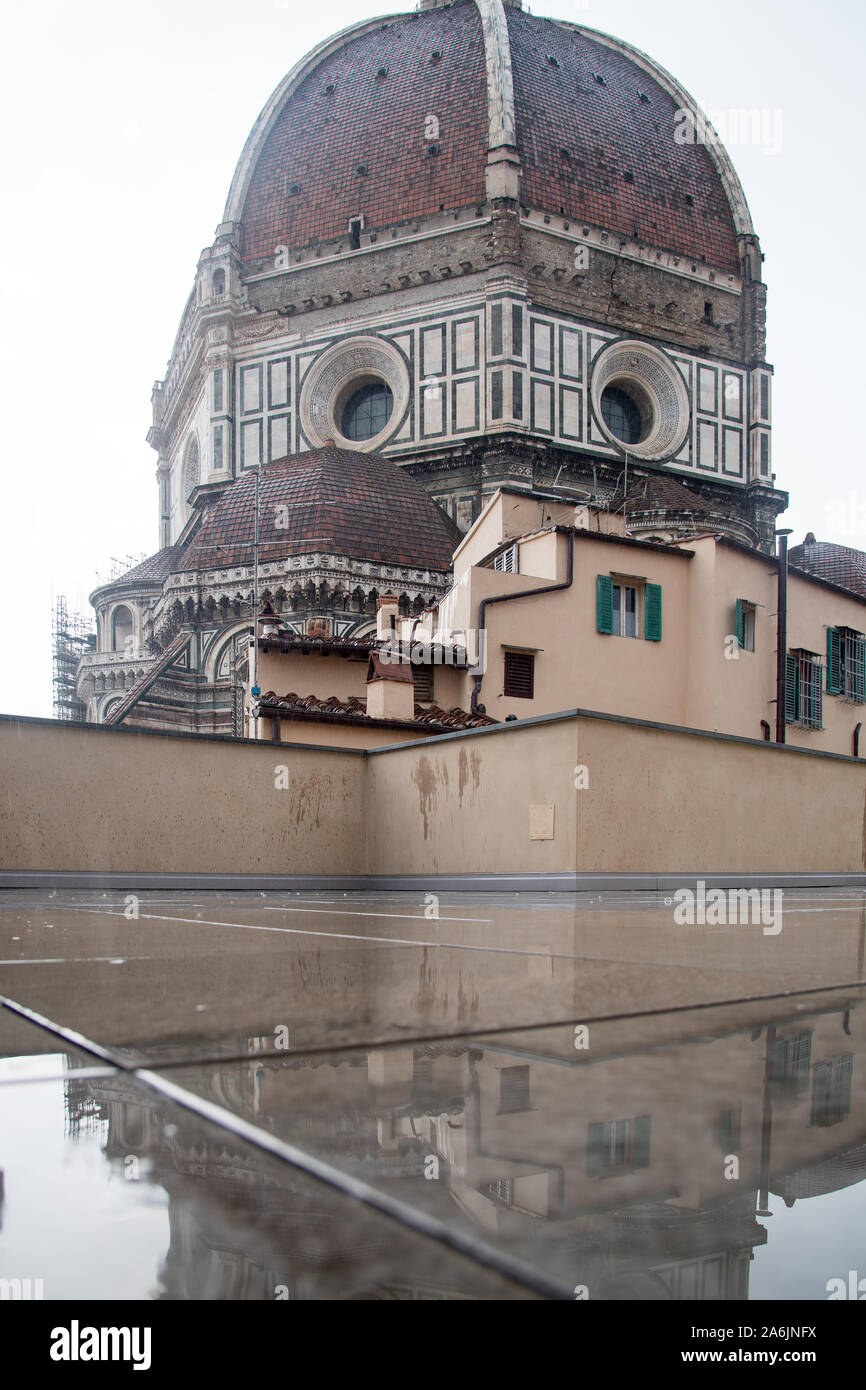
(355, 393)
(640, 400)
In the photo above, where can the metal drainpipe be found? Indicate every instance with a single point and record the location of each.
(781, 634)
(522, 593)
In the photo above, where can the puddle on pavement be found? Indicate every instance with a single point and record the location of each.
(703, 1157)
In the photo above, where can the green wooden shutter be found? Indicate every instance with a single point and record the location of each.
(790, 688)
(642, 1141)
(653, 612)
(834, 661)
(741, 624)
(817, 692)
(604, 602)
(595, 1147)
(860, 668)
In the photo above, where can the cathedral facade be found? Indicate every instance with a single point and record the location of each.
(464, 248)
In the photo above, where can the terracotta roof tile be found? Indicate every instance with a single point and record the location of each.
(344, 115)
(840, 564)
(431, 718)
(600, 150)
(348, 503)
(607, 130)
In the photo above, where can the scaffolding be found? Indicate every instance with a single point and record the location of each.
(71, 637)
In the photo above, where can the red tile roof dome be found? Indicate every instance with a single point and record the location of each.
(348, 134)
(839, 564)
(329, 500)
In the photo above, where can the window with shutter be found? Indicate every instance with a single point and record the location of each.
(790, 1063)
(790, 688)
(604, 603)
(513, 1090)
(653, 612)
(506, 560)
(834, 661)
(831, 1091)
(619, 1146)
(804, 687)
(730, 1129)
(811, 688)
(745, 625)
(423, 678)
(858, 665)
(846, 663)
(519, 680)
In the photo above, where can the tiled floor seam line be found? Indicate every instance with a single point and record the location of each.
(479, 1034)
(76, 1040)
(385, 940)
(400, 1212)
(421, 1223)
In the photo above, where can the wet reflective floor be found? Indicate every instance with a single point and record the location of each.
(394, 1096)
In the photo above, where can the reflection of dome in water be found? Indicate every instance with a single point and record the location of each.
(830, 1175)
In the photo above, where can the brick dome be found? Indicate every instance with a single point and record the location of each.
(590, 119)
(329, 500)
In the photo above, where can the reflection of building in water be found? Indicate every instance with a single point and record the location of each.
(638, 1167)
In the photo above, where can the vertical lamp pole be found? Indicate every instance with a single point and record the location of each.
(255, 691)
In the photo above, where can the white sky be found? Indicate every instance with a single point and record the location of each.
(121, 127)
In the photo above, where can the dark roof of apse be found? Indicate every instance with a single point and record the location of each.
(595, 133)
(333, 500)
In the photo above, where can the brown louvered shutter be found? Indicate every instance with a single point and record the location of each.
(519, 675)
(423, 678)
(513, 1089)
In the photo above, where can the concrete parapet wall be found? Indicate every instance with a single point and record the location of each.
(651, 799)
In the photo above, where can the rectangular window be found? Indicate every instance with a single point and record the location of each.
(790, 1063)
(506, 560)
(745, 625)
(423, 679)
(620, 1146)
(624, 610)
(617, 608)
(803, 689)
(218, 460)
(765, 397)
(831, 1091)
(846, 663)
(513, 1090)
(218, 391)
(730, 1129)
(519, 681)
(501, 1190)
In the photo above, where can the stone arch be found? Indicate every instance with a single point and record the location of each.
(121, 628)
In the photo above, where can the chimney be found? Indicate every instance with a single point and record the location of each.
(390, 689)
(389, 607)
